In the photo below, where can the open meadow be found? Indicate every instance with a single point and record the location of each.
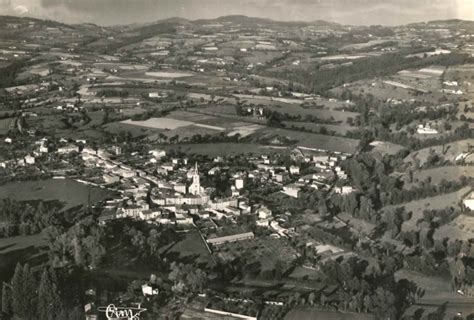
(312, 313)
(69, 192)
(21, 249)
(432, 203)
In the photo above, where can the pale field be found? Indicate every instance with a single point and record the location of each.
(162, 74)
(169, 124)
(451, 173)
(160, 123)
(246, 130)
(451, 151)
(433, 203)
(461, 228)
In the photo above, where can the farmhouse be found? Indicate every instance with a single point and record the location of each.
(344, 190)
(292, 190)
(469, 201)
(263, 213)
(294, 170)
(426, 130)
(29, 159)
(68, 149)
(232, 238)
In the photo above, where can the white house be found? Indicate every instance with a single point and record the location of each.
(294, 170)
(68, 149)
(149, 291)
(29, 159)
(158, 154)
(344, 190)
(426, 130)
(239, 183)
(264, 213)
(292, 190)
(469, 201)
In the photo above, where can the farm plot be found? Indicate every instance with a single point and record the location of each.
(21, 249)
(438, 290)
(262, 57)
(307, 140)
(69, 192)
(228, 124)
(384, 147)
(191, 247)
(226, 149)
(323, 114)
(171, 75)
(313, 313)
(244, 130)
(461, 228)
(395, 89)
(449, 151)
(316, 127)
(264, 252)
(438, 202)
(160, 123)
(436, 175)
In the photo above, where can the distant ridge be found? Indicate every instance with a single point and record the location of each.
(237, 19)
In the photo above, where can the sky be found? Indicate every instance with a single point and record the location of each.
(356, 12)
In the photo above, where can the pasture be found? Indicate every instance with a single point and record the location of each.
(313, 313)
(170, 75)
(317, 127)
(449, 151)
(69, 192)
(461, 228)
(191, 248)
(226, 149)
(306, 140)
(438, 202)
(159, 123)
(384, 147)
(23, 249)
(436, 175)
(437, 291)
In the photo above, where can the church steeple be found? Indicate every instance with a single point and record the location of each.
(195, 187)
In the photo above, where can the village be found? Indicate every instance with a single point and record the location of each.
(238, 168)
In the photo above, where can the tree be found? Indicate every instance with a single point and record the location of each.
(6, 299)
(311, 298)
(384, 303)
(29, 292)
(153, 240)
(18, 301)
(49, 302)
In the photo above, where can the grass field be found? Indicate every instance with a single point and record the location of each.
(302, 273)
(23, 249)
(69, 192)
(173, 75)
(316, 127)
(313, 314)
(384, 147)
(191, 248)
(311, 140)
(452, 173)
(264, 252)
(225, 149)
(461, 228)
(438, 202)
(159, 123)
(437, 291)
(449, 151)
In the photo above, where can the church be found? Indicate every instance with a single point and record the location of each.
(195, 187)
